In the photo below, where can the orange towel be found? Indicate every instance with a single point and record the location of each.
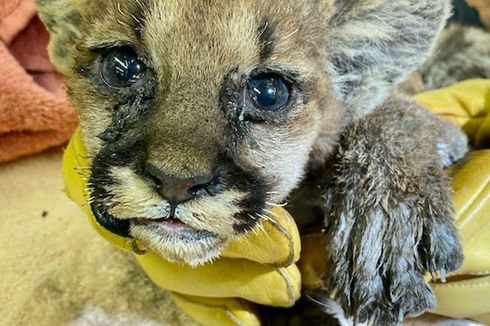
(34, 111)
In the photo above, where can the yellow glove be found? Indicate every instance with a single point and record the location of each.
(259, 267)
(466, 294)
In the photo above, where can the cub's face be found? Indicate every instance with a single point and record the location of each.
(200, 115)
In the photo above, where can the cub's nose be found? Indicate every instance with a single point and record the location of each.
(177, 190)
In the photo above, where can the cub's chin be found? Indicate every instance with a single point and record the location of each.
(176, 241)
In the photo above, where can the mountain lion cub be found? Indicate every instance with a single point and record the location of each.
(199, 115)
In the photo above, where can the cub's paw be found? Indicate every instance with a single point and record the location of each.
(383, 235)
(411, 298)
(439, 249)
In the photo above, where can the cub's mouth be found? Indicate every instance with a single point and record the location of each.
(166, 226)
(173, 226)
(167, 237)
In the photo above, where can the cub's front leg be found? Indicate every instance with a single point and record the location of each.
(388, 213)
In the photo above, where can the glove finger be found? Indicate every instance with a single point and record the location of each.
(464, 104)
(227, 278)
(463, 298)
(471, 184)
(218, 312)
(275, 241)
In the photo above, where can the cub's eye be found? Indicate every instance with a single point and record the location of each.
(121, 67)
(268, 91)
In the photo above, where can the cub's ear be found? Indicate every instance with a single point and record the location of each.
(63, 19)
(375, 44)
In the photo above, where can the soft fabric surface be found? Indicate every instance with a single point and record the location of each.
(55, 269)
(34, 112)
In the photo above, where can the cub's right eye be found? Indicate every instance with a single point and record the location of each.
(121, 68)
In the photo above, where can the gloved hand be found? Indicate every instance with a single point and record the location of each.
(259, 267)
(466, 294)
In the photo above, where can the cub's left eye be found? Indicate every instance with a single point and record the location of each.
(121, 68)
(269, 92)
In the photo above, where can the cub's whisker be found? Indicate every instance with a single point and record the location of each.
(271, 213)
(277, 205)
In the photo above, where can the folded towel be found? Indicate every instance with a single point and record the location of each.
(34, 111)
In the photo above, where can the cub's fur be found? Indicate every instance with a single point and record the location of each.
(367, 159)
(463, 53)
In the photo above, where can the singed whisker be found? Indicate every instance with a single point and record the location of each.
(269, 219)
(142, 6)
(136, 19)
(261, 227)
(277, 205)
(271, 213)
(119, 9)
(292, 33)
(316, 301)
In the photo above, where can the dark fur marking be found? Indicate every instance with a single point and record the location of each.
(267, 38)
(124, 148)
(254, 203)
(132, 111)
(74, 17)
(119, 153)
(120, 227)
(231, 103)
(70, 36)
(138, 19)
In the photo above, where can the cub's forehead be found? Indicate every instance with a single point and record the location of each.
(202, 35)
(212, 32)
